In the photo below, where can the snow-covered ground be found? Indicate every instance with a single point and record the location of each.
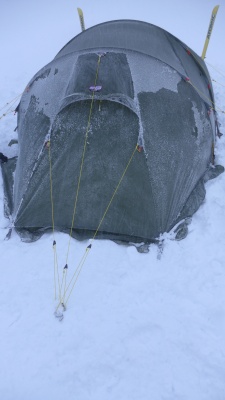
(136, 327)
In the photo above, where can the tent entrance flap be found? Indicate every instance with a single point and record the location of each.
(112, 136)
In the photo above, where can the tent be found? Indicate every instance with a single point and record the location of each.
(116, 136)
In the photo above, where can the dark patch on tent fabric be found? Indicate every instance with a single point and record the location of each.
(113, 74)
(31, 138)
(174, 158)
(43, 75)
(194, 201)
(8, 170)
(212, 172)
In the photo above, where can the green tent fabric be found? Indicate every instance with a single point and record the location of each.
(151, 91)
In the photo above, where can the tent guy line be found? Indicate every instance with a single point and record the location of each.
(63, 300)
(78, 184)
(17, 97)
(63, 287)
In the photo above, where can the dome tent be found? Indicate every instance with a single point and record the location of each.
(119, 84)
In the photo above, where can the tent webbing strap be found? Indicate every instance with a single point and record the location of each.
(77, 272)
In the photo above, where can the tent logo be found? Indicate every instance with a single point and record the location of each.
(211, 26)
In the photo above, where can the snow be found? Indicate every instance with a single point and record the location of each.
(136, 327)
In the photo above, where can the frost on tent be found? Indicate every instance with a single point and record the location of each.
(119, 86)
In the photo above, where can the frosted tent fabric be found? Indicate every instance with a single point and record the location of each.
(8, 169)
(143, 100)
(144, 38)
(178, 149)
(105, 160)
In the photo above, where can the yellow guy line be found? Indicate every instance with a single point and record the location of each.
(79, 179)
(206, 97)
(10, 101)
(56, 269)
(83, 259)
